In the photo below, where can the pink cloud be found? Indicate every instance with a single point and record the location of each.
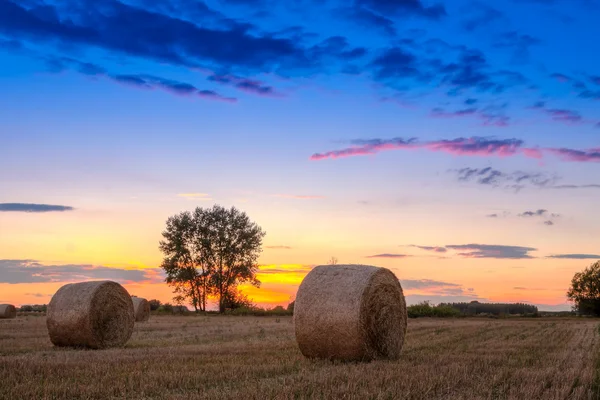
(473, 146)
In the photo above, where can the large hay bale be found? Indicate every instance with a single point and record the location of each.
(350, 312)
(95, 314)
(141, 309)
(7, 311)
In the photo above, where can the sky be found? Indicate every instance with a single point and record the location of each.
(454, 142)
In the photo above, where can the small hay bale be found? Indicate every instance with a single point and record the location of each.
(350, 313)
(94, 314)
(141, 309)
(7, 311)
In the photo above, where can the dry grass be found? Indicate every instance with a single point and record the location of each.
(257, 358)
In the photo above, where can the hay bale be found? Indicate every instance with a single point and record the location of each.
(7, 311)
(95, 314)
(350, 312)
(141, 309)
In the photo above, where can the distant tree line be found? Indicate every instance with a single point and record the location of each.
(33, 308)
(443, 310)
(475, 307)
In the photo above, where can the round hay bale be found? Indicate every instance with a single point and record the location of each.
(95, 314)
(7, 311)
(350, 313)
(141, 309)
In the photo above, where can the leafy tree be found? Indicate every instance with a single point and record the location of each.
(290, 307)
(236, 299)
(154, 304)
(233, 244)
(210, 252)
(185, 261)
(585, 290)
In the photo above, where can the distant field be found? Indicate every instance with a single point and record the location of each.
(217, 357)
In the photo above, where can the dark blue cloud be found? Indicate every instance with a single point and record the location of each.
(404, 8)
(480, 15)
(33, 208)
(367, 18)
(116, 26)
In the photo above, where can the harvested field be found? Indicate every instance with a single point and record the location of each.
(213, 357)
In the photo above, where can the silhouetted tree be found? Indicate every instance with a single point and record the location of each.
(154, 304)
(210, 252)
(185, 262)
(585, 290)
(236, 299)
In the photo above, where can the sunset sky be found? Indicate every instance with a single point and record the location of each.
(456, 143)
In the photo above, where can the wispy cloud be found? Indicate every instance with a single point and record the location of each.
(33, 208)
(515, 180)
(576, 256)
(436, 249)
(492, 251)
(389, 255)
(31, 271)
(278, 247)
(472, 146)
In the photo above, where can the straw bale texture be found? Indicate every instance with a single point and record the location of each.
(94, 314)
(350, 312)
(7, 311)
(141, 309)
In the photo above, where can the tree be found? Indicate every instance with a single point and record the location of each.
(185, 261)
(585, 290)
(154, 304)
(236, 299)
(210, 252)
(233, 244)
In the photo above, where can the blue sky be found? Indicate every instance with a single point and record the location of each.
(353, 128)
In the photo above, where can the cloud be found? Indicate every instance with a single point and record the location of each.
(403, 8)
(171, 86)
(549, 223)
(33, 208)
(537, 213)
(298, 196)
(576, 256)
(436, 249)
(138, 81)
(487, 115)
(592, 155)
(459, 146)
(480, 15)
(388, 255)
(515, 180)
(367, 18)
(30, 271)
(124, 28)
(278, 247)
(247, 85)
(492, 251)
(517, 42)
(408, 284)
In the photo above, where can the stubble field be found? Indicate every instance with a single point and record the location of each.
(215, 357)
